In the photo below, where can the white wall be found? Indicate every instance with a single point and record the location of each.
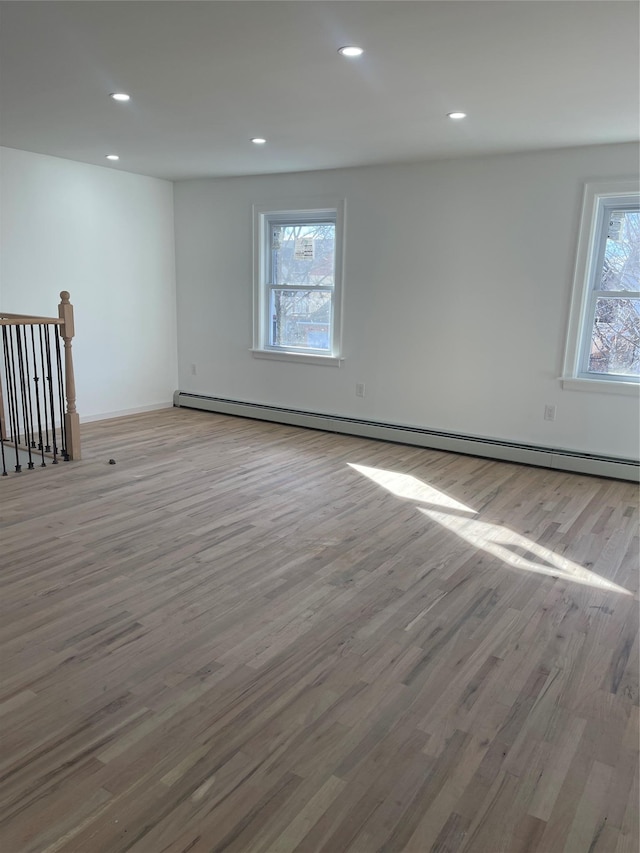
(457, 284)
(106, 236)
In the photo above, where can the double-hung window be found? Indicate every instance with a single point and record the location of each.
(604, 333)
(298, 278)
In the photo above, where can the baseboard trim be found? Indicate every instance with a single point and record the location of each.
(123, 413)
(504, 451)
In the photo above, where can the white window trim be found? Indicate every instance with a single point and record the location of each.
(299, 207)
(300, 357)
(596, 194)
(603, 386)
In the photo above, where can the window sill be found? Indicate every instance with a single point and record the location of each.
(604, 386)
(300, 357)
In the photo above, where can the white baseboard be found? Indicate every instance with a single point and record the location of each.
(505, 451)
(105, 416)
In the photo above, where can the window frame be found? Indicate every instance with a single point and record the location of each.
(289, 213)
(599, 198)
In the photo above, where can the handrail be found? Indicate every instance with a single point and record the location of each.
(31, 356)
(28, 320)
(25, 316)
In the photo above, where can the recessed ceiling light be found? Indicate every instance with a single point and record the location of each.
(457, 115)
(258, 140)
(112, 157)
(120, 96)
(350, 50)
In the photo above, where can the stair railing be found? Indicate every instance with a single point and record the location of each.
(35, 423)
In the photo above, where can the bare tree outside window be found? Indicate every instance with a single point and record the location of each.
(615, 336)
(302, 278)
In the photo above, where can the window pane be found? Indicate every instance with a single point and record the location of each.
(300, 318)
(621, 268)
(303, 254)
(615, 339)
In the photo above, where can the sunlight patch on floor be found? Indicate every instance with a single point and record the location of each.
(514, 549)
(410, 487)
(518, 551)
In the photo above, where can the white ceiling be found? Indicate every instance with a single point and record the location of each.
(204, 77)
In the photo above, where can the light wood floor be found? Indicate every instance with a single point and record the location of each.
(248, 637)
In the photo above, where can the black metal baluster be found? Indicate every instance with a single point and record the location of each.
(27, 370)
(26, 399)
(3, 421)
(47, 446)
(11, 391)
(47, 341)
(36, 379)
(5, 345)
(63, 435)
(4, 464)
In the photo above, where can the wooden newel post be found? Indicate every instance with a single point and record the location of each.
(71, 418)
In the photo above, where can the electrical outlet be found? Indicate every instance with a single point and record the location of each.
(359, 389)
(194, 370)
(549, 413)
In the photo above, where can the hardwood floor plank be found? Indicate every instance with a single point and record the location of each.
(255, 638)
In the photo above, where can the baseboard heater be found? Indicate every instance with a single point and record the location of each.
(506, 451)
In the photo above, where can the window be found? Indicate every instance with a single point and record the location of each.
(297, 287)
(603, 344)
